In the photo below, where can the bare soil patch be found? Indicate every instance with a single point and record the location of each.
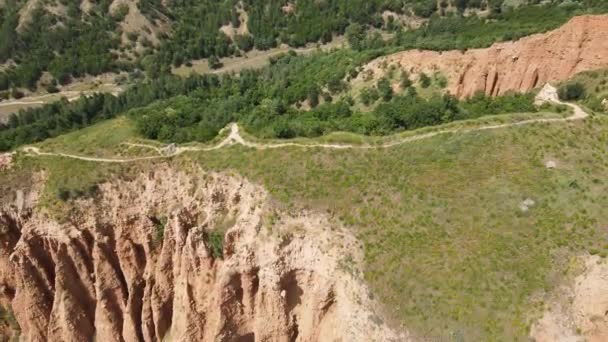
(579, 311)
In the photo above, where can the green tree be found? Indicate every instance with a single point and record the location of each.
(368, 96)
(214, 62)
(151, 66)
(313, 96)
(4, 81)
(571, 91)
(244, 42)
(405, 80)
(385, 89)
(8, 35)
(355, 34)
(425, 80)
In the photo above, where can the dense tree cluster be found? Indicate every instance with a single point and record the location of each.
(197, 34)
(68, 48)
(53, 119)
(266, 103)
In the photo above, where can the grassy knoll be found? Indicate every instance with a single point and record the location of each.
(448, 249)
(63, 178)
(100, 140)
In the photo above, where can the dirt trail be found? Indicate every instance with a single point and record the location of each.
(547, 94)
(150, 147)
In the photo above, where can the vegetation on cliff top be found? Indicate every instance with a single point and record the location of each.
(448, 248)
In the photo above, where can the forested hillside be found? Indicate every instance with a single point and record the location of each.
(294, 96)
(267, 102)
(70, 39)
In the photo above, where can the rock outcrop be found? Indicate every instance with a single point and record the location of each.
(579, 311)
(520, 66)
(144, 261)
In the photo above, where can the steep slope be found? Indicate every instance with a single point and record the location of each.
(522, 65)
(144, 261)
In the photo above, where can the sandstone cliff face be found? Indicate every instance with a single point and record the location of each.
(580, 45)
(136, 264)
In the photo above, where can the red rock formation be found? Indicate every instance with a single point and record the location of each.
(136, 264)
(580, 45)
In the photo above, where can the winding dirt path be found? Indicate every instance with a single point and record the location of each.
(547, 94)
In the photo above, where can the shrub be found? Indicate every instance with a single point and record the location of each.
(244, 42)
(385, 89)
(405, 80)
(216, 243)
(63, 194)
(159, 229)
(571, 91)
(132, 36)
(368, 96)
(440, 80)
(425, 9)
(16, 93)
(214, 62)
(425, 80)
(52, 88)
(313, 96)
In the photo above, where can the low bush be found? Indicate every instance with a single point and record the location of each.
(216, 243)
(571, 91)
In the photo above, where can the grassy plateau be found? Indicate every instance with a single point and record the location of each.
(448, 249)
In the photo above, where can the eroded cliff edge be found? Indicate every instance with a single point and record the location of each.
(522, 65)
(140, 262)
